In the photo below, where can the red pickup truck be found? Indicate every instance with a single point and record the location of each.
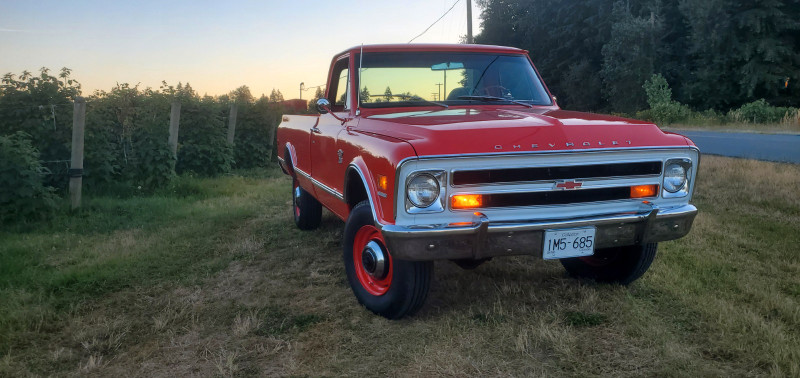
(459, 152)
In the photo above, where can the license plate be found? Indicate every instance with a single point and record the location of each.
(569, 242)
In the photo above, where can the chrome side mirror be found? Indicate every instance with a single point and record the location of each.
(323, 106)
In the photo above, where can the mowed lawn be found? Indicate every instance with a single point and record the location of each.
(211, 278)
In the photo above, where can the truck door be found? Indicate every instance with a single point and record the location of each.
(326, 166)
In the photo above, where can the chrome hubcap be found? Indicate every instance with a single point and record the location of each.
(374, 260)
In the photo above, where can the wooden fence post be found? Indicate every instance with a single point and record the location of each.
(76, 162)
(174, 122)
(232, 122)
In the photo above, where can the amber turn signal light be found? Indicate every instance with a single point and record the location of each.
(467, 201)
(641, 191)
(383, 182)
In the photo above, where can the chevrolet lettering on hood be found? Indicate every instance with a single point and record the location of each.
(481, 166)
(567, 144)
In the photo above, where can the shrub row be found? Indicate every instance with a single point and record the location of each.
(126, 140)
(664, 110)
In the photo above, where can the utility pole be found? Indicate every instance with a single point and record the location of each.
(469, 21)
(440, 89)
(302, 86)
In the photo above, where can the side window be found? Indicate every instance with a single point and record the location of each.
(340, 96)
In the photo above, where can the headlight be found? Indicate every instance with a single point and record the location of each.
(677, 178)
(674, 177)
(422, 190)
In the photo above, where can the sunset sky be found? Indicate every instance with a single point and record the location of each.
(214, 45)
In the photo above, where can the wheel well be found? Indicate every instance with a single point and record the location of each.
(355, 191)
(287, 158)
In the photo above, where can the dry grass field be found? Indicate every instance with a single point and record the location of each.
(211, 278)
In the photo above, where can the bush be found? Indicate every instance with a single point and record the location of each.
(662, 108)
(40, 105)
(203, 146)
(22, 194)
(254, 128)
(760, 111)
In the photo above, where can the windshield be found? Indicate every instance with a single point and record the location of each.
(417, 78)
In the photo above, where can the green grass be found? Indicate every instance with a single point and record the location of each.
(210, 277)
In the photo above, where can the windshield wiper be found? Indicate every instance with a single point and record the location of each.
(493, 99)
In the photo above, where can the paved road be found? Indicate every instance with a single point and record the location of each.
(772, 147)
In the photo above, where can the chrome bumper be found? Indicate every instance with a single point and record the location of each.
(484, 238)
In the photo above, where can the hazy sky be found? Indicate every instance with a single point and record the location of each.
(215, 45)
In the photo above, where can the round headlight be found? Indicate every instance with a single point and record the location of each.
(423, 190)
(674, 178)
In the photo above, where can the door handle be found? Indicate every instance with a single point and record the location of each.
(316, 130)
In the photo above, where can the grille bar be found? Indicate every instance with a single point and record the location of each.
(556, 197)
(508, 175)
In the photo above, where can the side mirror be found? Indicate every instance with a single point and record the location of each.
(323, 106)
(554, 99)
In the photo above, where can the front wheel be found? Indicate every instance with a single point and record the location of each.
(621, 265)
(390, 288)
(306, 209)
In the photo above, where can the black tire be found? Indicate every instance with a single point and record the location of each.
(621, 265)
(470, 264)
(403, 287)
(306, 209)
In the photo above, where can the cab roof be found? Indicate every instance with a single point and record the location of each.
(434, 47)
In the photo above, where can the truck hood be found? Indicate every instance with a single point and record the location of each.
(479, 130)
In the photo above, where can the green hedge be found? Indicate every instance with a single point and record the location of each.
(127, 129)
(664, 110)
(23, 196)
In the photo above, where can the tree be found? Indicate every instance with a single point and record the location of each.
(242, 95)
(276, 96)
(387, 94)
(595, 54)
(628, 58)
(365, 94)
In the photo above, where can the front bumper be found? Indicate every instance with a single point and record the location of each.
(484, 238)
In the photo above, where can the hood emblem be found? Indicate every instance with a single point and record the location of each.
(567, 185)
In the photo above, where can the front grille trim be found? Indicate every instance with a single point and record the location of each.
(583, 172)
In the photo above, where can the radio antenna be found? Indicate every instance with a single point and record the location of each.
(358, 87)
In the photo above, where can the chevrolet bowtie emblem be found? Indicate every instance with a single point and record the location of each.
(568, 185)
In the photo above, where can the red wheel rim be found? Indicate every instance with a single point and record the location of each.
(373, 285)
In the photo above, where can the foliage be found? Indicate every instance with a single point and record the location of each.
(203, 147)
(628, 58)
(255, 127)
(126, 138)
(22, 194)
(41, 106)
(276, 96)
(717, 54)
(760, 111)
(663, 109)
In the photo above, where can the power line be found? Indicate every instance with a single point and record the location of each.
(434, 23)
